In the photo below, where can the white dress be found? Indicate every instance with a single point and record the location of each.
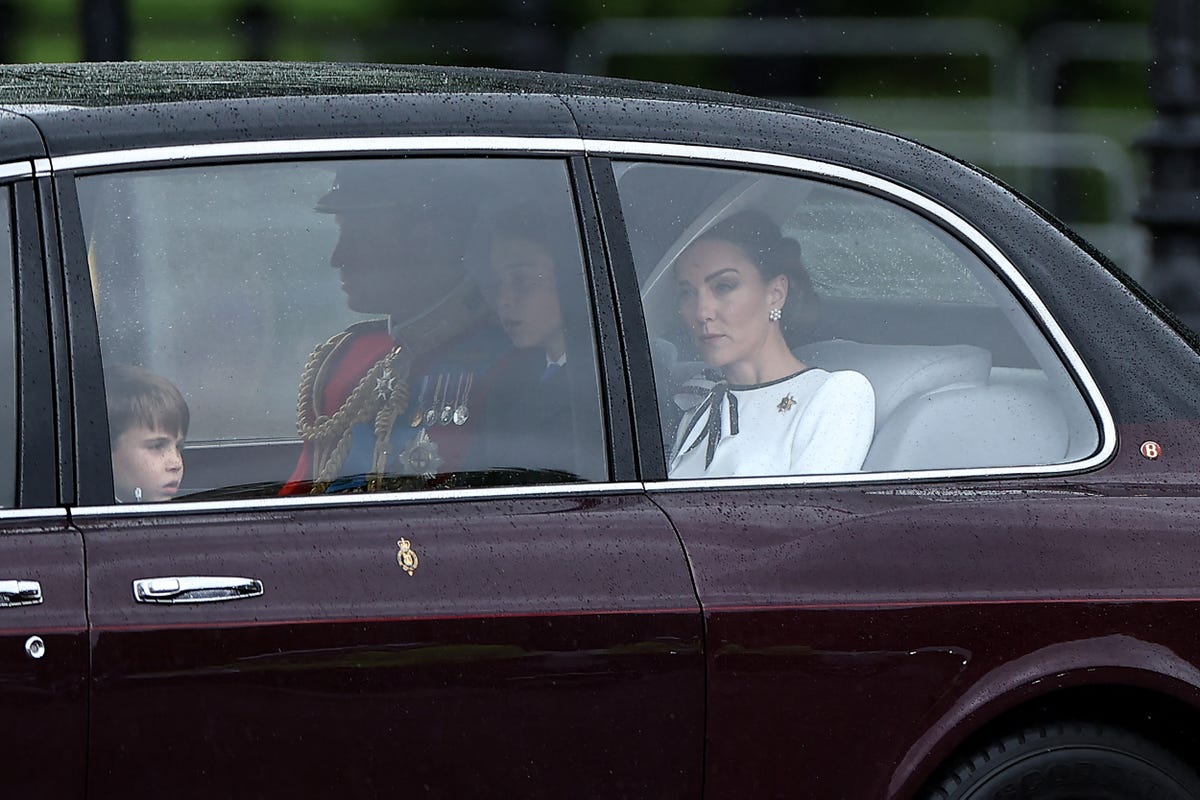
(813, 422)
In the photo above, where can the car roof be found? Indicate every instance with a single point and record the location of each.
(99, 85)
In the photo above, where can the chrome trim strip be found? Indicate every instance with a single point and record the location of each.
(600, 147)
(1108, 428)
(182, 506)
(864, 478)
(16, 169)
(423, 144)
(17, 514)
(42, 167)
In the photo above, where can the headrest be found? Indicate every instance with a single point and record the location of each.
(900, 371)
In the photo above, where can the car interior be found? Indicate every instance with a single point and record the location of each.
(963, 377)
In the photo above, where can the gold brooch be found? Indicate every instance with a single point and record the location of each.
(407, 557)
(786, 403)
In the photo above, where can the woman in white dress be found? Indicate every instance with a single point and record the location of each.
(741, 289)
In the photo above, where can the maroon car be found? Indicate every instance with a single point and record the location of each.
(463, 509)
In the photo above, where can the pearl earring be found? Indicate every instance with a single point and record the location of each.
(775, 315)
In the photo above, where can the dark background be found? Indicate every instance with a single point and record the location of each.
(1050, 97)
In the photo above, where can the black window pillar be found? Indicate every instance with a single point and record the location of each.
(105, 30)
(1171, 210)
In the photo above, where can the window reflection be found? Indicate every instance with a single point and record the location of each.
(354, 326)
(961, 377)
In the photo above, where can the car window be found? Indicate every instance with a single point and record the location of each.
(8, 361)
(330, 326)
(800, 327)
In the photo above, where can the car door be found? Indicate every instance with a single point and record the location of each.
(511, 617)
(847, 615)
(43, 623)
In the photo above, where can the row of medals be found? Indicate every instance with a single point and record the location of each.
(443, 411)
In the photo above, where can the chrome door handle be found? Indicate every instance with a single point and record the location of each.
(195, 589)
(20, 593)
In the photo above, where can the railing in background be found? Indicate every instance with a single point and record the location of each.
(1016, 126)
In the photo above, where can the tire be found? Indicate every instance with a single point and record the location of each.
(1069, 761)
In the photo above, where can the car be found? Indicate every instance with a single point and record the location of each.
(423, 329)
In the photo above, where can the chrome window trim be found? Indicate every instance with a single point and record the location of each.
(796, 164)
(863, 478)
(182, 506)
(17, 514)
(422, 144)
(16, 169)
(626, 149)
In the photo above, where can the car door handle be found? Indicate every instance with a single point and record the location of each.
(195, 589)
(20, 593)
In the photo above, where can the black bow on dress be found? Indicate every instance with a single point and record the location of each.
(711, 406)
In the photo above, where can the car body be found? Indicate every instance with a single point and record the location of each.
(1019, 552)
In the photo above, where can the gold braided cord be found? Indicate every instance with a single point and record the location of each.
(309, 422)
(328, 460)
(330, 435)
(393, 402)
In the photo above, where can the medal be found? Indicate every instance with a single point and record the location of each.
(461, 412)
(419, 416)
(447, 414)
(439, 392)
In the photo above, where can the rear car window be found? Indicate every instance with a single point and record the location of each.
(890, 345)
(344, 326)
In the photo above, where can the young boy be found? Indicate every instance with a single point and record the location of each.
(147, 422)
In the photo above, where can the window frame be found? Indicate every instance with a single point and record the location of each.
(624, 430)
(93, 467)
(43, 430)
(990, 255)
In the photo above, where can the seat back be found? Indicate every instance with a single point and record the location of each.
(935, 405)
(898, 372)
(978, 426)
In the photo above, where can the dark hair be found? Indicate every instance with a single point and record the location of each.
(529, 221)
(773, 254)
(550, 229)
(138, 396)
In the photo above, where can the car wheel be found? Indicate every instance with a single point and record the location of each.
(1069, 761)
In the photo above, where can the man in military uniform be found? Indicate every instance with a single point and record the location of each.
(386, 404)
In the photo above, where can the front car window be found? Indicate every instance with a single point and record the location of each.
(343, 326)
(800, 327)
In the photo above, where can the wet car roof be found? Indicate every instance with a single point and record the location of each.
(135, 83)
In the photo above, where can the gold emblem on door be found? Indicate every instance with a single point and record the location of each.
(407, 557)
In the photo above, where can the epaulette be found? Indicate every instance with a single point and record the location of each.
(330, 350)
(367, 326)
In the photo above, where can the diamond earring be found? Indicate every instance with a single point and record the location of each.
(775, 315)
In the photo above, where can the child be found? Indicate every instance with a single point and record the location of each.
(147, 423)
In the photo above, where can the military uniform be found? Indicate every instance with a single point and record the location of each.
(387, 410)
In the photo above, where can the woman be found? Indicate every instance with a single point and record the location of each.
(741, 287)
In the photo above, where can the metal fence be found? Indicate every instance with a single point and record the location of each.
(987, 94)
(1015, 124)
